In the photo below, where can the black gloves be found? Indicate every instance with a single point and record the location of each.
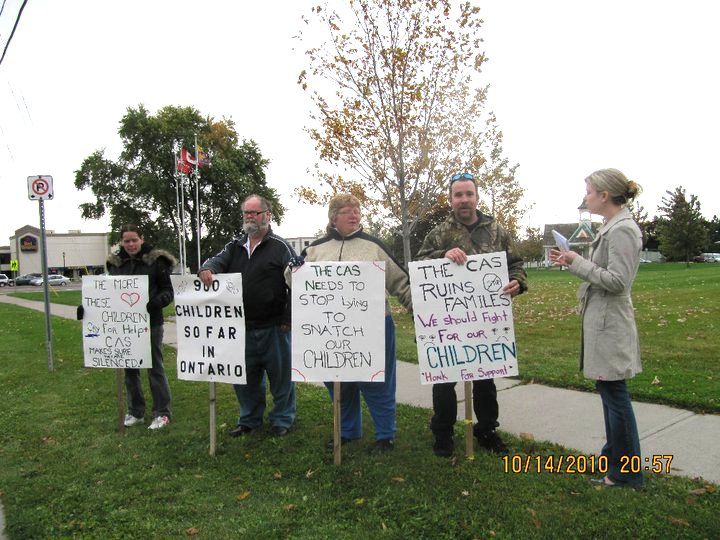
(296, 261)
(159, 301)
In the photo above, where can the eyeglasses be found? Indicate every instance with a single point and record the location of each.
(463, 176)
(255, 213)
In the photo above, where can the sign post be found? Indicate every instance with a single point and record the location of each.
(41, 188)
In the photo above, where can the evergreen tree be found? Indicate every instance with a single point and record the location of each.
(681, 228)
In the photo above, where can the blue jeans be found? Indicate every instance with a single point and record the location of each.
(379, 396)
(621, 433)
(267, 352)
(159, 387)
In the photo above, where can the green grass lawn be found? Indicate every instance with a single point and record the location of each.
(678, 318)
(66, 472)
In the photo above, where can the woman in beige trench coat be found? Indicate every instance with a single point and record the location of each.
(610, 350)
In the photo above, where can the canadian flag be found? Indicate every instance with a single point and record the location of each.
(184, 167)
(187, 157)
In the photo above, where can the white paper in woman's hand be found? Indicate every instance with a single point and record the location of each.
(561, 241)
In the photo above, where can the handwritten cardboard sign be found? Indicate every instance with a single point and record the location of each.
(116, 324)
(210, 323)
(463, 323)
(338, 321)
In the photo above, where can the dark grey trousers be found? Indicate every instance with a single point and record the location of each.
(159, 387)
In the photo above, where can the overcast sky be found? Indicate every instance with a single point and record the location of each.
(576, 86)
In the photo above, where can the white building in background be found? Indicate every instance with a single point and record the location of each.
(73, 253)
(300, 242)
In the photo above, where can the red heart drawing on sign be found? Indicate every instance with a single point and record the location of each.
(130, 298)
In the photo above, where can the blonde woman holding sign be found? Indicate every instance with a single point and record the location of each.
(346, 241)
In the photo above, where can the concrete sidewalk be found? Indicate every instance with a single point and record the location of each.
(570, 418)
(574, 420)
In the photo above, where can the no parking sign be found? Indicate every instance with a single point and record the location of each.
(40, 187)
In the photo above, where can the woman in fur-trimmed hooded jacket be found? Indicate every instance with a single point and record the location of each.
(137, 258)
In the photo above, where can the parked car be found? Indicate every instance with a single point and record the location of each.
(55, 280)
(643, 261)
(26, 279)
(4, 280)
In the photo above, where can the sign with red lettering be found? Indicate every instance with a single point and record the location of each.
(116, 324)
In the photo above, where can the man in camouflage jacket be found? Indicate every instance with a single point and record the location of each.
(468, 232)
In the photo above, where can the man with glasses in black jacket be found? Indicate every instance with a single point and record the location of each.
(261, 257)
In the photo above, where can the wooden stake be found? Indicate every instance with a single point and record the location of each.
(213, 418)
(120, 399)
(469, 454)
(337, 441)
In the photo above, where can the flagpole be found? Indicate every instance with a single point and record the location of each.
(182, 219)
(197, 199)
(212, 390)
(183, 177)
(178, 180)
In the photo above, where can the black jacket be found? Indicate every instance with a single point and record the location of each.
(157, 264)
(265, 295)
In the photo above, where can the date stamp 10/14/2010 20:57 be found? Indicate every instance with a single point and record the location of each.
(580, 464)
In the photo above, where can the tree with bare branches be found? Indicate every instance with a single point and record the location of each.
(399, 108)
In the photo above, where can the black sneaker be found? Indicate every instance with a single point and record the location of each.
(491, 441)
(331, 443)
(443, 447)
(381, 446)
(240, 430)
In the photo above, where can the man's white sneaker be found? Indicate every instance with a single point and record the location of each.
(131, 420)
(159, 422)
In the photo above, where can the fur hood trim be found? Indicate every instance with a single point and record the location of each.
(149, 257)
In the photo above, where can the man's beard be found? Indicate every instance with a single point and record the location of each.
(251, 229)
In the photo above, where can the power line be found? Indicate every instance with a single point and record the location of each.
(2, 8)
(17, 20)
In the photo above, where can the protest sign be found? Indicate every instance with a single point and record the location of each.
(210, 325)
(463, 323)
(116, 324)
(338, 321)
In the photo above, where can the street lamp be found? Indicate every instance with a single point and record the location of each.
(64, 267)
